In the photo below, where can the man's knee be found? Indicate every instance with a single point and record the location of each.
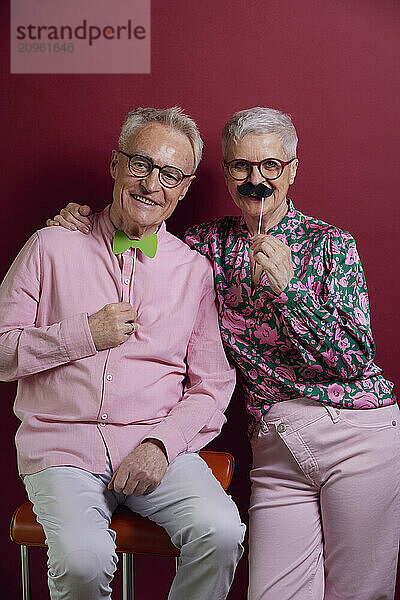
(218, 527)
(82, 566)
(83, 561)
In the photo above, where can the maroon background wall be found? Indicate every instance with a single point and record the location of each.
(332, 64)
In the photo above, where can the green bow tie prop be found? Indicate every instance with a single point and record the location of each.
(148, 243)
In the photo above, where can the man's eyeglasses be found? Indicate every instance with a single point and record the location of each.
(270, 168)
(141, 166)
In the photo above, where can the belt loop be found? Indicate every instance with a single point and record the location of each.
(333, 412)
(262, 426)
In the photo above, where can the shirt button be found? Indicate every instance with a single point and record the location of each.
(104, 416)
(102, 424)
(281, 428)
(394, 423)
(109, 377)
(126, 281)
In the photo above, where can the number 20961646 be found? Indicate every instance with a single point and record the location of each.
(44, 47)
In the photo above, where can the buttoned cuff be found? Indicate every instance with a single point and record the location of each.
(78, 341)
(294, 293)
(173, 441)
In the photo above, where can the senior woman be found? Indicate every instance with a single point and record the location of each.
(294, 318)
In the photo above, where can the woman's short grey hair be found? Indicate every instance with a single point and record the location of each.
(173, 117)
(260, 120)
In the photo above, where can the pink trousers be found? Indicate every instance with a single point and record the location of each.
(324, 509)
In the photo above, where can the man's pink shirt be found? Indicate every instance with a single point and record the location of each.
(170, 380)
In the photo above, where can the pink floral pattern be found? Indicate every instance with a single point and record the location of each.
(314, 339)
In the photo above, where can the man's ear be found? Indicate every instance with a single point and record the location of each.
(114, 163)
(293, 171)
(186, 187)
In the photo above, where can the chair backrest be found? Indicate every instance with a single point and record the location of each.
(221, 464)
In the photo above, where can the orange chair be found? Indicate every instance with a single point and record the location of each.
(135, 534)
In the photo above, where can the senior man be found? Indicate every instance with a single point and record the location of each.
(122, 375)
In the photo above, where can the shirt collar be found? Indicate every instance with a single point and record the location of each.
(280, 227)
(106, 223)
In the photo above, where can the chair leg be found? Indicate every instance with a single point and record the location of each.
(26, 592)
(128, 576)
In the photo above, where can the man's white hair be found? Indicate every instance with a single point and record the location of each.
(173, 117)
(260, 120)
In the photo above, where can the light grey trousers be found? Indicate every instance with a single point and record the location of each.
(75, 508)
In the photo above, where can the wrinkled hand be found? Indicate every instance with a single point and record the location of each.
(275, 259)
(74, 216)
(141, 471)
(112, 325)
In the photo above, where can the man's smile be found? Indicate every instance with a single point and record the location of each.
(143, 200)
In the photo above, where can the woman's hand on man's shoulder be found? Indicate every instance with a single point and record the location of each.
(74, 217)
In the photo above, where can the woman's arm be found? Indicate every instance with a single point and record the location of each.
(332, 327)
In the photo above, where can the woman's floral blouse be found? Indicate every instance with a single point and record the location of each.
(314, 339)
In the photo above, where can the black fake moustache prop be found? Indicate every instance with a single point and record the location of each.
(259, 191)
